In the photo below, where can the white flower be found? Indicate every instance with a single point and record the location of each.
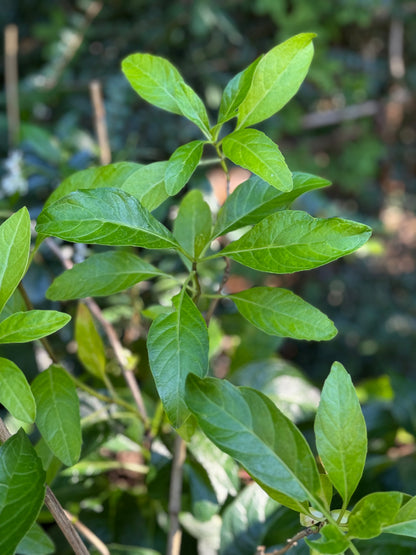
(14, 180)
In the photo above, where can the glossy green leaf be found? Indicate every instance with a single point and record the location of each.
(113, 175)
(58, 417)
(101, 274)
(105, 216)
(340, 431)
(249, 427)
(14, 252)
(246, 520)
(22, 327)
(22, 490)
(404, 523)
(255, 199)
(36, 542)
(15, 393)
(177, 344)
(278, 311)
(373, 513)
(291, 240)
(333, 541)
(182, 165)
(276, 79)
(157, 81)
(253, 150)
(16, 303)
(90, 345)
(147, 184)
(192, 228)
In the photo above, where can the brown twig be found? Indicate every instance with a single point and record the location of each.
(396, 42)
(175, 493)
(88, 534)
(292, 542)
(333, 117)
(11, 43)
(55, 509)
(100, 122)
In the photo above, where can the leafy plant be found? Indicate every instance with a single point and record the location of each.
(112, 206)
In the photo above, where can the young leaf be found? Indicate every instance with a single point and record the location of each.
(36, 542)
(333, 541)
(249, 427)
(404, 523)
(290, 241)
(147, 184)
(14, 252)
(276, 79)
(340, 431)
(22, 490)
(177, 344)
(235, 91)
(101, 274)
(182, 165)
(94, 178)
(105, 216)
(22, 327)
(157, 81)
(15, 393)
(58, 416)
(255, 199)
(373, 513)
(192, 228)
(280, 312)
(90, 345)
(253, 150)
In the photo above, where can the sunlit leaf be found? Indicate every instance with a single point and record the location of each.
(193, 224)
(373, 513)
(182, 165)
(15, 392)
(22, 327)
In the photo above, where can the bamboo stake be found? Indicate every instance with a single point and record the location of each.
(100, 122)
(11, 46)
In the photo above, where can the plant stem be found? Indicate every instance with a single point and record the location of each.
(292, 542)
(175, 492)
(55, 509)
(224, 167)
(216, 300)
(88, 534)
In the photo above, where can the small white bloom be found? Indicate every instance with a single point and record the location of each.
(14, 180)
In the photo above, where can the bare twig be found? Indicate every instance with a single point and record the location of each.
(88, 534)
(55, 509)
(11, 41)
(333, 117)
(292, 542)
(100, 122)
(175, 492)
(396, 39)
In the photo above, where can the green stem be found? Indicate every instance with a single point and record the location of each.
(224, 166)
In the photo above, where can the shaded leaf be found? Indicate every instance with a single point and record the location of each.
(373, 513)
(36, 542)
(58, 417)
(182, 165)
(14, 252)
(340, 431)
(333, 541)
(253, 150)
(22, 327)
(177, 344)
(278, 311)
(90, 345)
(105, 216)
(192, 228)
(15, 392)
(405, 522)
(192, 107)
(292, 240)
(147, 184)
(22, 490)
(101, 274)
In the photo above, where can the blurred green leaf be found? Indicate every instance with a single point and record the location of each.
(15, 392)
(36, 542)
(90, 345)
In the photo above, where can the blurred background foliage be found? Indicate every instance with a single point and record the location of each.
(353, 122)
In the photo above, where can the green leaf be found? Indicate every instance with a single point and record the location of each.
(22, 490)
(245, 521)
(333, 541)
(405, 522)
(276, 79)
(255, 199)
(340, 431)
(15, 393)
(22, 327)
(157, 81)
(253, 150)
(177, 344)
(36, 542)
(373, 513)
(101, 274)
(278, 311)
(249, 427)
(14, 252)
(147, 184)
(235, 91)
(90, 345)
(291, 240)
(182, 165)
(105, 216)
(114, 175)
(192, 228)
(58, 416)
